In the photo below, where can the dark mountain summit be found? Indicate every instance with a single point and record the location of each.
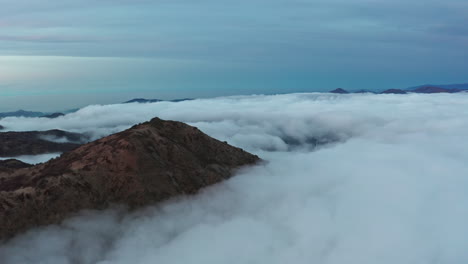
(147, 163)
(339, 91)
(53, 115)
(364, 91)
(181, 100)
(38, 142)
(449, 87)
(434, 89)
(10, 165)
(143, 100)
(21, 113)
(394, 91)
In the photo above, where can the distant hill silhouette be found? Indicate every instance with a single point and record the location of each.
(453, 87)
(181, 100)
(436, 89)
(394, 91)
(339, 91)
(54, 115)
(38, 142)
(9, 165)
(363, 91)
(22, 113)
(143, 100)
(433, 89)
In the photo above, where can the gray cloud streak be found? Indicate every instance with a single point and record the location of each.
(278, 45)
(178, 27)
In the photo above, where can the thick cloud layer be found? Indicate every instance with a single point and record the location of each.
(390, 189)
(274, 122)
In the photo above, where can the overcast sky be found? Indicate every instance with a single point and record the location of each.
(68, 53)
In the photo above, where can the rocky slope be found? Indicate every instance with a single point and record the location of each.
(148, 163)
(38, 142)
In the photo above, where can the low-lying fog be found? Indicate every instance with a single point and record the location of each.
(390, 187)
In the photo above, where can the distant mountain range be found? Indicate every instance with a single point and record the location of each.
(394, 91)
(426, 88)
(143, 100)
(461, 86)
(339, 91)
(24, 113)
(54, 115)
(431, 88)
(389, 91)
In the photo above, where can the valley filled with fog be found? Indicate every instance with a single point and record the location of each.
(356, 178)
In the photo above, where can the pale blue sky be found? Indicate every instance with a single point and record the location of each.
(64, 54)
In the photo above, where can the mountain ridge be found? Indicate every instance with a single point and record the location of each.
(460, 86)
(148, 163)
(143, 100)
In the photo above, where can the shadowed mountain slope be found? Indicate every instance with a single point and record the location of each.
(38, 142)
(11, 165)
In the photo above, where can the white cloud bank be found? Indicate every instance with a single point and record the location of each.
(394, 190)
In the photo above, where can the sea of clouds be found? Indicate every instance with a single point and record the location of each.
(356, 178)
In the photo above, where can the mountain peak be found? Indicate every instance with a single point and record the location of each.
(143, 100)
(147, 163)
(454, 87)
(394, 91)
(339, 91)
